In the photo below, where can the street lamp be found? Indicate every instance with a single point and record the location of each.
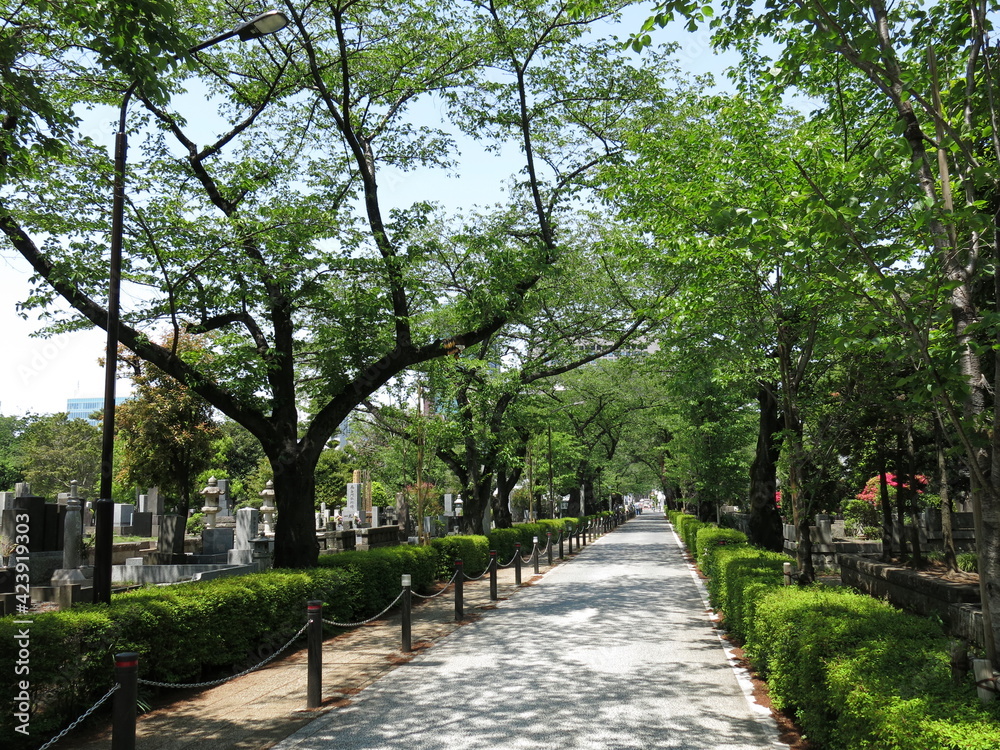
(262, 25)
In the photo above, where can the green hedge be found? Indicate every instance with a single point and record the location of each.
(503, 540)
(687, 528)
(709, 540)
(181, 633)
(856, 673)
(741, 574)
(223, 626)
(473, 551)
(376, 574)
(861, 675)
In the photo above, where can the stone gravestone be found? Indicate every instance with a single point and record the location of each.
(70, 572)
(217, 541)
(170, 544)
(123, 518)
(151, 502)
(247, 525)
(52, 539)
(34, 506)
(448, 507)
(354, 502)
(224, 501)
(376, 516)
(142, 524)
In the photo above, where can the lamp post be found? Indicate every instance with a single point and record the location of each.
(262, 25)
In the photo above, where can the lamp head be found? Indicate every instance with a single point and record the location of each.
(262, 25)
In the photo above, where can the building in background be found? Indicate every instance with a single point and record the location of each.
(83, 408)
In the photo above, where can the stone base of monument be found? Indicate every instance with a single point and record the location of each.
(69, 594)
(240, 557)
(143, 574)
(66, 576)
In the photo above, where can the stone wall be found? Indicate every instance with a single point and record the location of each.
(957, 604)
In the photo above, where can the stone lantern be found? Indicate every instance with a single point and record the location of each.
(211, 508)
(267, 509)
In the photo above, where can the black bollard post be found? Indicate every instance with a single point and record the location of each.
(570, 536)
(581, 537)
(459, 591)
(562, 556)
(314, 667)
(517, 563)
(535, 554)
(493, 575)
(406, 605)
(548, 546)
(124, 706)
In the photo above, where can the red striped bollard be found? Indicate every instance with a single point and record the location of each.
(125, 699)
(314, 668)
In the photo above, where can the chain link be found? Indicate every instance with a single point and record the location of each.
(85, 714)
(364, 622)
(446, 587)
(479, 577)
(509, 562)
(213, 683)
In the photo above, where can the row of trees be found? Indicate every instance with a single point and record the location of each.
(828, 278)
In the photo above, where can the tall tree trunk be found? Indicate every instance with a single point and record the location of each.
(589, 501)
(765, 519)
(575, 507)
(913, 496)
(506, 481)
(801, 509)
(886, 504)
(295, 544)
(904, 548)
(947, 534)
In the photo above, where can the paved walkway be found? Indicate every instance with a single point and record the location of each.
(613, 650)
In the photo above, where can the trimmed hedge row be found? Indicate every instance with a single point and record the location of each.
(181, 634)
(473, 551)
(859, 674)
(223, 626)
(503, 540)
(742, 574)
(375, 575)
(856, 673)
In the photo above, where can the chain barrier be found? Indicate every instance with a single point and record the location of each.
(479, 577)
(83, 716)
(365, 622)
(213, 683)
(447, 585)
(509, 562)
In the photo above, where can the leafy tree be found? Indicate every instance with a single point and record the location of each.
(167, 431)
(239, 455)
(57, 451)
(11, 430)
(275, 237)
(911, 90)
(590, 308)
(333, 471)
